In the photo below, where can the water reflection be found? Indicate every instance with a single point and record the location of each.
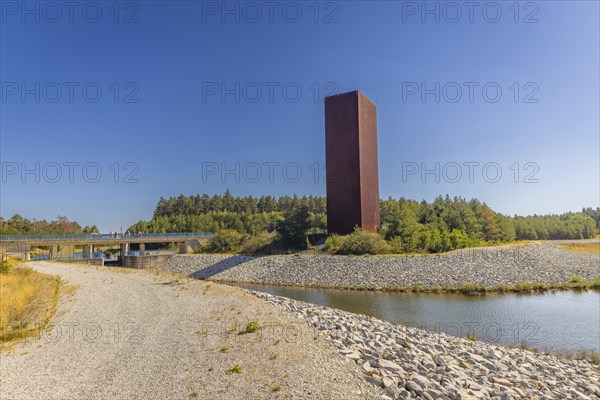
(552, 320)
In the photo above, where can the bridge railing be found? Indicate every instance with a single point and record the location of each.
(103, 236)
(137, 253)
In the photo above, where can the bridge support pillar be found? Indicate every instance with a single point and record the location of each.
(87, 251)
(62, 251)
(188, 245)
(183, 248)
(124, 249)
(52, 253)
(142, 248)
(26, 256)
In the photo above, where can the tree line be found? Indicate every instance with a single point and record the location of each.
(407, 225)
(290, 221)
(18, 225)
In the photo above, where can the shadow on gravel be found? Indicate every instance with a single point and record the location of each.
(221, 266)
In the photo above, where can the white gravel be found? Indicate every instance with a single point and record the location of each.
(505, 265)
(129, 334)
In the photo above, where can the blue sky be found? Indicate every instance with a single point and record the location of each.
(185, 88)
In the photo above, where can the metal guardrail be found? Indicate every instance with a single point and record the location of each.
(74, 257)
(104, 236)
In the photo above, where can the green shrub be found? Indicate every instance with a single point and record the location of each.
(397, 246)
(7, 263)
(252, 244)
(359, 243)
(230, 241)
(459, 239)
(4, 267)
(293, 227)
(333, 243)
(225, 241)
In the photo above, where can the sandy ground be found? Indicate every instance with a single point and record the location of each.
(128, 334)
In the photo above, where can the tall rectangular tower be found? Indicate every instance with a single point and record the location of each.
(351, 156)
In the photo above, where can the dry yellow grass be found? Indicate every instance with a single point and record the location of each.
(28, 300)
(583, 247)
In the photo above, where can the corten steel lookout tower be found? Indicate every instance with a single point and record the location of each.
(351, 156)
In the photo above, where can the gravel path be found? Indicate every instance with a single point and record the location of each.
(128, 334)
(487, 266)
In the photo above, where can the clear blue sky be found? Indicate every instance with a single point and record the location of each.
(178, 54)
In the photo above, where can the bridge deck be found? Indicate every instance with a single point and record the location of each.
(48, 240)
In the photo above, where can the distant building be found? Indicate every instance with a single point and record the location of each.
(351, 157)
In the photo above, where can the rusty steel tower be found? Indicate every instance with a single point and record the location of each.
(351, 157)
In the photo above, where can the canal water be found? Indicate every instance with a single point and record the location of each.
(559, 320)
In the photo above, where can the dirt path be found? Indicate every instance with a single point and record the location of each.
(128, 334)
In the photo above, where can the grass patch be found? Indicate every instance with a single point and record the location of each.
(521, 287)
(585, 247)
(29, 300)
(576, 279)
(538, 286)
(437, 289)
(251, 327)
(472, 338)
(590, 355)
(6, 264)
(594, 357)
(575, 283)
(472, 288)
(236, 369)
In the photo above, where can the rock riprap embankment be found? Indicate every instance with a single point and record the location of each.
(406, 362)
(487, 266)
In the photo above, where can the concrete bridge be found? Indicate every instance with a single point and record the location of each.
(63, 246)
